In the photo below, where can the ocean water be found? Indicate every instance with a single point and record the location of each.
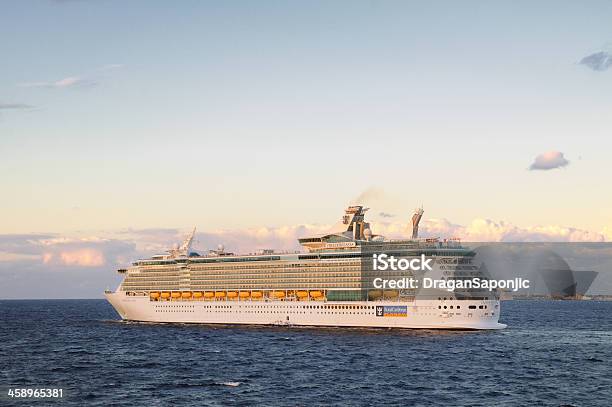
(554, 353)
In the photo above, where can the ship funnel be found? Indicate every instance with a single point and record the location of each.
(416, 218)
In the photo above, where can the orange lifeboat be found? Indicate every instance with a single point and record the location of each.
(244, 294)
(154, 295)
(256, 295)
(209, 294)
(197, 294)
(176, 294)
(316, 294)
(302, 294)
(220, 294)
(391, 293)
(278, 294)
(374, 294)
(232, 295)
(165, 295)
(186, 294)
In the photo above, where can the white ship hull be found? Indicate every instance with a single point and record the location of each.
(422, 314)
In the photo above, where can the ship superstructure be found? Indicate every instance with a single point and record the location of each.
(329, 284)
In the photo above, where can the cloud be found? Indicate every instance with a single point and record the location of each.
(68, 82)
(77, 81)
(607, 232)
(18, 257)
(14, 106)
(282, 238)
(82, 257)
(549, 161)
(56, 251)
(486, 230)
(68, 266)
(110, 66)
(599, 61)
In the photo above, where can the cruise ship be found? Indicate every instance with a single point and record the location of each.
(328, 283)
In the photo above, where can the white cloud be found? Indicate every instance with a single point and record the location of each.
(66, 240)
(68, 82)
(82, 257)
(52, 252)
(486, 230)
(548, 161)
(75, 81)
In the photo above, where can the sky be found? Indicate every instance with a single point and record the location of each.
(124, 124)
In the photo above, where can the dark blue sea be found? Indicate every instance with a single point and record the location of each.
(554, 353)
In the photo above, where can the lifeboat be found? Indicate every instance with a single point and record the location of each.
(197, 294)
(220, 294)
(165, 295)
(302, 294)
(256, 295)
(391, 293)
(316, 294)
(232, 295)
(374, 294)
(154, 295)
(278, 294)
(186, 294)
(209, 294)
(245, 294)
(176, 294)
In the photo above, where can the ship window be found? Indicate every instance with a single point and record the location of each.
(472, 307)
(480, 307)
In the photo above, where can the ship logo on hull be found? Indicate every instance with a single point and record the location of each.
(391, 311)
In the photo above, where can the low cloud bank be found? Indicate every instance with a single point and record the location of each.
(58, 266)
